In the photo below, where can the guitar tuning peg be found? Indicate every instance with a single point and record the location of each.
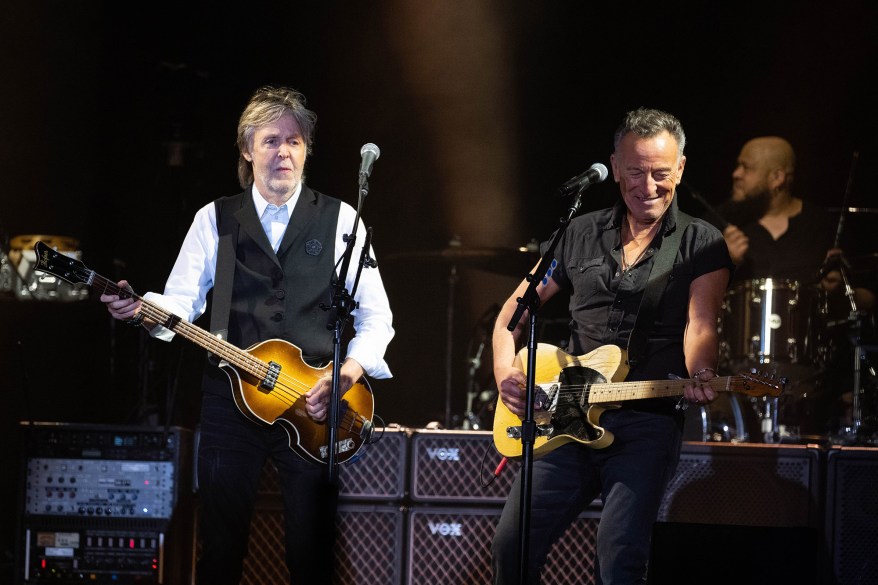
(753, 371)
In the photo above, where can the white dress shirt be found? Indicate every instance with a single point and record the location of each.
(193, 276)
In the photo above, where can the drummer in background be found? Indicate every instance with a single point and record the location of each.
(774, 234)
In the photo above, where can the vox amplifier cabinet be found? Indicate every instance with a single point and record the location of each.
(378, 473)
(369, 544)
(458, 467)
(105, 504)
(453, 545)
(369, 547)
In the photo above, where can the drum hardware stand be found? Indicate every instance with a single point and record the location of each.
(485, 325)
(768, 419)
(854, 328)
(470, 420)
(855, 316)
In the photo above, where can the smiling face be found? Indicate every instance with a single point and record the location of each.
(648, 171)
(277, 152)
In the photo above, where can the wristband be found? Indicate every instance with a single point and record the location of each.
(702, 370)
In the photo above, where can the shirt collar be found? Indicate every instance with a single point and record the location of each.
(260, 202)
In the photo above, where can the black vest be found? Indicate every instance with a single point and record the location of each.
(259, 294)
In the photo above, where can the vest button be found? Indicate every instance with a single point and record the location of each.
(277, 317)
(280, 293)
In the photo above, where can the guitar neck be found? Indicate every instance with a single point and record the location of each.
(620, 391)
(235, 356)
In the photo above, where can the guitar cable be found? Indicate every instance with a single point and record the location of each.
(497, 470)
(500, 466)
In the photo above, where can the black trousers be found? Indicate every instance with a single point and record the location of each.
(231, 454)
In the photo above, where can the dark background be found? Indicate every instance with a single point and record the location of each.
(119, 123)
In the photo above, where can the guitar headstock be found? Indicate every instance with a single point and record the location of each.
(758, 384)
(57, 264)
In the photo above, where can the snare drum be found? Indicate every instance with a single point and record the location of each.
(766, 321)
(36, 284)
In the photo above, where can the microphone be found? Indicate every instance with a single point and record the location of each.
(370, 154)
(595, 174)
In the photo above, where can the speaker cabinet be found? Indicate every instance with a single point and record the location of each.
(852, 515)
(452, 546)
(378, 473)
(740, 514)
(750, 485)
(457, 467)
(369, 533)
(368, 546)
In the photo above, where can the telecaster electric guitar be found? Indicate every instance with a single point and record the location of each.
(269, 379)
(572, 392)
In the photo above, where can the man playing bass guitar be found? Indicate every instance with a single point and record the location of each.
(270, 255)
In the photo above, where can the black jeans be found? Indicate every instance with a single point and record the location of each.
(231, 455)
(631, 476)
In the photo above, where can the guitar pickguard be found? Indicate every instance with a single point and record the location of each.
(570, 417)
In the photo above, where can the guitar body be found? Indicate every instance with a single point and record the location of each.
(563, 416)
(285, 403)
(572, 392)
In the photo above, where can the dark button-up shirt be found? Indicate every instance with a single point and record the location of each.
(604, 299)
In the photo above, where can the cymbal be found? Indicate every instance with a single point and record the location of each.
(507, 261)
(853, 209)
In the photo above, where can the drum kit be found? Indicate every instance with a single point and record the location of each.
(19, 280)
(796, 331)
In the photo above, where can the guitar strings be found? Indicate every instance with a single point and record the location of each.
(289, 389)
(724, 384)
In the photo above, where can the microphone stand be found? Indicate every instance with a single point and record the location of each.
(342, 305)
(530, 302)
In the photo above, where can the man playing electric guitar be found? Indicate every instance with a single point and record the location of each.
(270, 255)
(606, 259)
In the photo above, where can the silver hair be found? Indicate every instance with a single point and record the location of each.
(647, 123)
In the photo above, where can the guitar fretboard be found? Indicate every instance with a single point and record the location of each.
(619, 391)
(242, 360)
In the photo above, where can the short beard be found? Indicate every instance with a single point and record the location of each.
(751, 209)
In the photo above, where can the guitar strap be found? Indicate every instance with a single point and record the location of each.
(655, 287)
